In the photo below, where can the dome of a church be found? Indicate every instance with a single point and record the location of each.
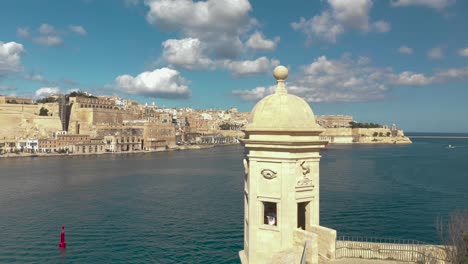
(282, 111)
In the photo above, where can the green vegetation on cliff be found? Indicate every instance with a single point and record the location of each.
(364, 125)
(46, 100)
(43, 111)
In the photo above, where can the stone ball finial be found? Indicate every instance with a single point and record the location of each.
(280, 73)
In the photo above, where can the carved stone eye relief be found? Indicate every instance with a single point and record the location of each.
(268, 174)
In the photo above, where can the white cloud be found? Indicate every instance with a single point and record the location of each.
(22, 32)
(78, 30)
(463, 52)
(49, 40)
(47, 29)
(381, 26)
(46, 91)
(162, 83)
(327, 80)
(321, 27)
(186, 53)
(351, 80)
(410, 78)
(435, 4)
(254, 94)
(452, 74)
(10, 57)
(36, 77)
(363, 60)
(352, 14)
(48, 36)
(435, 54)
(342, 15)
(216, 23)
(250, 67)
(258, 41)
(405, 50)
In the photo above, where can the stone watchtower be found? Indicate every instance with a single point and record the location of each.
(281, 191)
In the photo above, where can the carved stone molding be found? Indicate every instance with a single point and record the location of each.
(305, 180)
(269, 174)
(305, 168)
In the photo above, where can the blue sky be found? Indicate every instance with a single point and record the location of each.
(386, 61)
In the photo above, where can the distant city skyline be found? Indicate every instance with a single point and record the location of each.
(390, 61)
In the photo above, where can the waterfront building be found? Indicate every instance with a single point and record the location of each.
(158, 136)
(281, 185)
(121, 143)
(72, 143)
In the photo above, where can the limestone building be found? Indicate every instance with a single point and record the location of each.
(281, 190)
(334, 121)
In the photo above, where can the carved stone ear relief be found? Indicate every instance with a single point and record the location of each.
(268, 174)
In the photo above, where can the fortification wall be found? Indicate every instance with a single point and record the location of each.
(26, 123)
(337, 132)
(369, 132)
(52, 107)
(364, 135)
(88, 118)
(45, 126)
(19, 109)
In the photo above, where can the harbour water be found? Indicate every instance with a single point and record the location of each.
(186, 206)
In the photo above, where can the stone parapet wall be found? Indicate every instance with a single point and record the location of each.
(312, 249)
(326, 241)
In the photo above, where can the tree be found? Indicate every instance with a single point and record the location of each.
(80, 94)
(375, 134)
(47, 100)
(363, 125)
(454, 236)
(43, 111)
(388, 134)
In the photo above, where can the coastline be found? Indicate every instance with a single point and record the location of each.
(187, 147)
(41, 155)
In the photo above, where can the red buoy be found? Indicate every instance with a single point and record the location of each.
(62, 244)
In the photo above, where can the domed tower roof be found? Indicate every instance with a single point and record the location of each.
(282, 111)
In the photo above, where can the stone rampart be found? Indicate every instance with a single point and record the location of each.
(19, 109)
(88, 118)
(364, 135)
(13, 125)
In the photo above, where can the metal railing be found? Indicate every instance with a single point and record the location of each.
(405, 250)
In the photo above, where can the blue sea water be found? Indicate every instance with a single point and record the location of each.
(186, 207)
